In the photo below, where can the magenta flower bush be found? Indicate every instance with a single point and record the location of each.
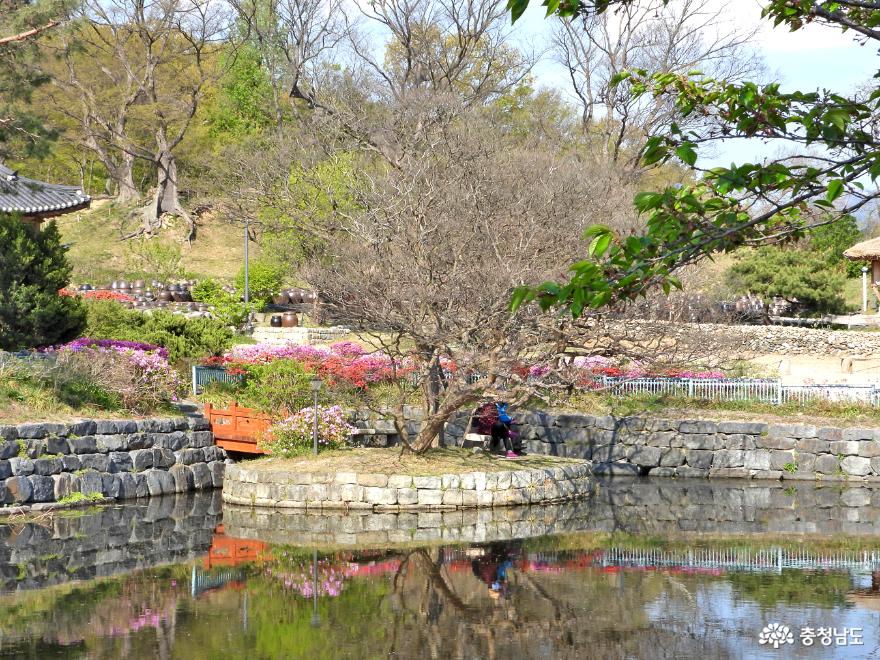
(137, 373)
(294, 436)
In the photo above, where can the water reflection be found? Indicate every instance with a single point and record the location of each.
(614, 588)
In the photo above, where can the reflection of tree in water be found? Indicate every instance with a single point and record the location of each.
(440, 612)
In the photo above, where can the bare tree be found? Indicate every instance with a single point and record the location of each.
(136, 71)
(427, 265)
(678, 36)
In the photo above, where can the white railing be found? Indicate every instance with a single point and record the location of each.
(766, 390)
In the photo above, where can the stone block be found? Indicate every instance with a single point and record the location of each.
(21, 466)
(188, 456)
(42, 488)
(374, 480)
(749, 428)
(8, 433)
(217, 469)
(110, 485)
(28, 431)
(662, 472)
(855, 434)
(573, 421)
(407, 496)
(83, 445)
(697, 426)
(347, 478)
(102, 427)
(661, 439)
(779, 459)
(845, 447)
(91, 482)
(429, 497)
(55, 444)
(162, 458)
(453, 496)
(142, 459)
(375, 495)
(355, 493)
(19, 490)
(141, 488)
(756, 460)
(108, 443)
(672, 458)
(857, 466)
(120, 461)
(827, 464)
(428, 483)
(813, 446)
(198, 423)
(183, 478)
(98, 462)
(64, 485)
(697, 458)
(688, 472)
(35, 448)
(830, 434)
(139, 441)
(160, 482)
(646, 456)
(398, 481)
(728, 458)
(202, 478)
(781, 443)
(450, 481)
(8, 448)
(155, 425)
(729, 473)
(201, 439)
(5, 471)
(701, 441)
(127, 486)
(869, 448)
(48, 466)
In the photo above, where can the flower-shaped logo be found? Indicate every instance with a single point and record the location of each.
(776, 634)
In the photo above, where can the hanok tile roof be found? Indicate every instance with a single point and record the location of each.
(31, 198)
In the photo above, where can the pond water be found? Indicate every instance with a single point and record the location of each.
(643, 569)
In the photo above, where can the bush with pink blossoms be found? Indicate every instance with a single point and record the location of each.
(139, 375)
(294, 436)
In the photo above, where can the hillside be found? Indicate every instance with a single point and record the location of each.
(99, 256)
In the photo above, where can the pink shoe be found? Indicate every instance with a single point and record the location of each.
(511, 454)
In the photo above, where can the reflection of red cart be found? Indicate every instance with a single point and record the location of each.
(232, 551)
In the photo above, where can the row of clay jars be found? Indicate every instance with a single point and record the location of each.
(286, 320)
(294, 296)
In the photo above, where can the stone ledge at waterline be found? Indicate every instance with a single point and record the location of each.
(706, 448)
(263, 486)
(118, 458)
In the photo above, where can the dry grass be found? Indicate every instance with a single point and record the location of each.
(392, 461)
(98, 255)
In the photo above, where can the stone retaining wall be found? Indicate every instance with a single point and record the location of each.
(704, 448)
(46, 462)
(381, 492)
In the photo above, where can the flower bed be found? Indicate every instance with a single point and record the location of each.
(294, 435)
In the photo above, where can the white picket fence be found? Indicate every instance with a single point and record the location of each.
(766, 390)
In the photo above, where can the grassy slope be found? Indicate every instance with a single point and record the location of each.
(99, 256)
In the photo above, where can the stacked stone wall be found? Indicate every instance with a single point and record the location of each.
(706, 448)
(267, 486)
(120, 458)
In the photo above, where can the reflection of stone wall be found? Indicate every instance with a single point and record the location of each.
(266, 486)
(735, 508)
(118, 458)
(370, 529)
(704, 448)
(636, 506)
(112, 540)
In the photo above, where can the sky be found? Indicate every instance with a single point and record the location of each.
(812, 58)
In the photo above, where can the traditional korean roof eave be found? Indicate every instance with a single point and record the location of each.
(865, 251)
(34, 199)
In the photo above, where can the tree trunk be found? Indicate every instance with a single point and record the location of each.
(123, 176)
(166, 199)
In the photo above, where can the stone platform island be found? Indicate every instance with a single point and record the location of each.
(385, 480)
